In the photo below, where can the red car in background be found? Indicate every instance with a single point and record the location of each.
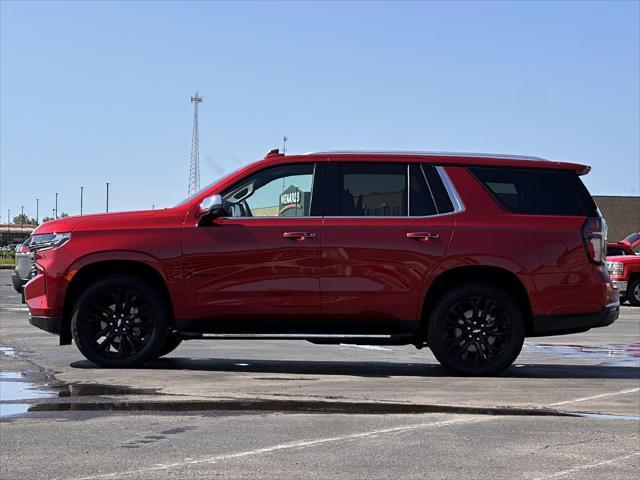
(624, 247)
(624, 268)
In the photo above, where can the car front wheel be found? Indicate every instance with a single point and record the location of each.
(633, 292)
(476, 329)
(120, 321)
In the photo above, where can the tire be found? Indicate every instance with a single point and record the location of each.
(173, 341)
(117, 305)
(478, 353)
(633, 292)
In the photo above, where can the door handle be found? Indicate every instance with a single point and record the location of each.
(422, 235)
(298, 235)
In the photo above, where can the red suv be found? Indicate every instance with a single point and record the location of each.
(466, 253)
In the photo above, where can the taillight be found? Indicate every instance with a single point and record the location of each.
(594, 234)
(23, 249)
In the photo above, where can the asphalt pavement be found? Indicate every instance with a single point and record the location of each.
(568, 408)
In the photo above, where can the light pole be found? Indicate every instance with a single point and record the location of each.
(81, 194)
(37, 211)
(107, 197)
(55, 214)
(21, 217)
(8, 217)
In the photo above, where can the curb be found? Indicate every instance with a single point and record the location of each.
(7, 267)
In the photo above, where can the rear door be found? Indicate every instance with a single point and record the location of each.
(383, 234)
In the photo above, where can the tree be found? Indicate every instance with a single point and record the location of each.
(46, 219)
(23, 219)
(63, 215)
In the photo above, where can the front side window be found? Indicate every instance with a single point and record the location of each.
(281, 191)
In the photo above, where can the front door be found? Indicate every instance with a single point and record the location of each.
(382, 236)
(257, 269)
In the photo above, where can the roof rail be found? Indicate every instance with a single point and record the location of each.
(427, 154)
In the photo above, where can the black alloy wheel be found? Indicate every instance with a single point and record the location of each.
(120, 321)
(476, 329)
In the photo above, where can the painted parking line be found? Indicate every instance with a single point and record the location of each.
(589, 466)
(288, 446)
(594, 397)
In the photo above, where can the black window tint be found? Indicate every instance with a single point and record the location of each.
(372, 190)
(588, 204)
(443, 202)
(613, 251)
(535, 192)
(421, 203)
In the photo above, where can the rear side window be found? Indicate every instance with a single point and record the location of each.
(438, 190)
(372, 190)
(534, 192)
(421, 202)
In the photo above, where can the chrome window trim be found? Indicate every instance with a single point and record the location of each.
(458, 206)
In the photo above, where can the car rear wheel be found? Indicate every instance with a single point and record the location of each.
(633, 292)
(476, 329)
(120, 321)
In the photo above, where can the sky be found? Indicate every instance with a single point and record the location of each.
(99, 91)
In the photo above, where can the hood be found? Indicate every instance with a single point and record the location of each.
(624, 258)
(69, 224)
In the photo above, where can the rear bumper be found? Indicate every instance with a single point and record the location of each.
(48, 324)
(544, 325)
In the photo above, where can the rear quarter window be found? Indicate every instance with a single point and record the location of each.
(534, 192)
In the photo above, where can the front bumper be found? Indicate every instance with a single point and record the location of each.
(544, 325)
(622, 286)
(48, 324)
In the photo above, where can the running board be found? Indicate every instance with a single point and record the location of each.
(400, 339)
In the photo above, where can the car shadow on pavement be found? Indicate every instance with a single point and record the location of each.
(375, 369)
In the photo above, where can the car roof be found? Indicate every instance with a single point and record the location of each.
(442, 158)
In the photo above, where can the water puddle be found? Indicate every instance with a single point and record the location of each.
(366, 347)
(617, 355)
(607, 416)
(16, 388)
(8, 351)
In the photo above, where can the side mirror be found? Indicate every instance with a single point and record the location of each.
(210, 208)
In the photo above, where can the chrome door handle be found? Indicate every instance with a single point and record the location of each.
(422, 235)
(298, 235)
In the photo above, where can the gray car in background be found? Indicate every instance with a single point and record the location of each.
(24, 266)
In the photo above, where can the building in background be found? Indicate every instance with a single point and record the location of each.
(15, 233)
(621, 213)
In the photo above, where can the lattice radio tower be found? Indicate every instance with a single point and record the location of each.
(194, 166)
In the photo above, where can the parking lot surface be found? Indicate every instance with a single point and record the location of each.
(568, 408)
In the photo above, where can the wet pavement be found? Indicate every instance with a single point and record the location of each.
(285, 409)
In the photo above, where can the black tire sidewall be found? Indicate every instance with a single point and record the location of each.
(161, 325)
(630, 295)
(173, 342)
(436, 321)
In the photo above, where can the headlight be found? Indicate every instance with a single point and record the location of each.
(48, 240)
(615, 268)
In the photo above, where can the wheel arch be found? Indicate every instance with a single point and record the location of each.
(500, 277)
(85, 274)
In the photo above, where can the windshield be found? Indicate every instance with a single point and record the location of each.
(203, 189)
(633, 239)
